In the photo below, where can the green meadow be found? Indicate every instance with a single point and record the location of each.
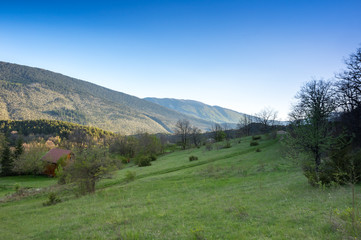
(228, 193)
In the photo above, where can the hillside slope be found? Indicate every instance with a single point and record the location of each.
(29, 93)
(230, 193)
(200, 110)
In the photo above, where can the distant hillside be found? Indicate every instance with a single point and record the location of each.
(200, 110)
(28, 93)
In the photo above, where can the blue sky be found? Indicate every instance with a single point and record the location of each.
(243, 55)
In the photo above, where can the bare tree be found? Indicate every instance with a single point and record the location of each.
(244, 125)
(183, 129)
(349, 84)
(196, 136)
(349, 96)
(267, 117)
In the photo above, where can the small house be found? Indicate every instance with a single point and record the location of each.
(52, 159)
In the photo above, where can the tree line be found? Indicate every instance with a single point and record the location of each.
(48, 127)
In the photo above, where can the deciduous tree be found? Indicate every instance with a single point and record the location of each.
(183, 129)
(89, 166)
(244, 125)
(311, 119)
(30, 161)
(196, 136)
(267, 118)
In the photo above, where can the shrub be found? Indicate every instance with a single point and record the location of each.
(144, 161)
(89, 167)
(53, 199)
(347, 222)
(193, 158)
(153, 157)
(253, 143)
(258, 150)
(61, 175)
(130, 176)
(219, 136)
(124, 160)
(273, 135)
(198, 233)
(17, 187)
(256, 137)
(228, 145)
(209, 146)
(29, 162)
(342, 166)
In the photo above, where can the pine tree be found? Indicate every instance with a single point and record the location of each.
(19, 149)
(6, 161)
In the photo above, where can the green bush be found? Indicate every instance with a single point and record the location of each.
(219, 136)
(124, 160)
(53, 199)
(254, 143)
(61, 175)
(258, 150)
(193, 158)
(209, 146)
(342, 166)
(17, 187)
(256, 137)
(153, 157)
(130, 176)
(272, 135)
(144, 161)
(228, 145)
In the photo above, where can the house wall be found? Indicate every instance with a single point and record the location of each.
(50, 169)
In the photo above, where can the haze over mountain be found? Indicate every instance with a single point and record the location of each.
(29, 93)
(200, 110)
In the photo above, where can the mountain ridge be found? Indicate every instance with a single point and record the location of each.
(200, 110)
(29, 93)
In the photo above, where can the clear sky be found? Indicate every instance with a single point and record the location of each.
(242, 55)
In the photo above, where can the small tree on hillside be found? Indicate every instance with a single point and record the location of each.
(89, 166)
(196, 136)
(218, 134)
(183, 129)
(267, 118)
(244, 125)
(148, 144)
(310, 121)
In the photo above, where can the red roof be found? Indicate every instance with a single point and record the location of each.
(54, 154)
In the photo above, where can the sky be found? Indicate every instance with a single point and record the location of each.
(241, 55)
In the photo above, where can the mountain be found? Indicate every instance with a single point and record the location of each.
(200, 110)
(28, 93)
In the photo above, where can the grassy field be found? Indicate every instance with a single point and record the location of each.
(233, 193)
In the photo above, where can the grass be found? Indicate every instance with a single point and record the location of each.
(233, 193)
(7, 184)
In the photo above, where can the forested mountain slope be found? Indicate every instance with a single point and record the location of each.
(29, 93)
